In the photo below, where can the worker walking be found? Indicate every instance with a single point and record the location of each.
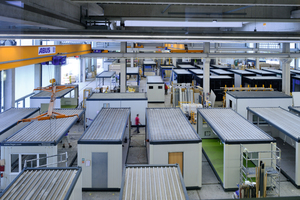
(137, 123)
(66, 139)
(166, 89)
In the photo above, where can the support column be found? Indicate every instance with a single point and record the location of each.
(206, 73)
(57, 74)
(123, 68)
(285, 66)
(257, 59)
(82, 70)
(9, 89)
(37, 75)
(131, 62)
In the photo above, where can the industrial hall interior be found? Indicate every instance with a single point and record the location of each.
(149, 100)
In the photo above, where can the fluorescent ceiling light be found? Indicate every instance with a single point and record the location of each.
(181, 24)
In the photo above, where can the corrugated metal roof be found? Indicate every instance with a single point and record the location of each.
(57, 94)
(232, 127)
(187, 66)
(13, 115)
(258, 71)
(169, 125)
(132, 70)
(197, 71)
(117, 96)
(106, 74)
(220, 66)
(217, 77)
(262, 77)
(108, 126)
(284, 120)
(154, 79)
(147, 183)
(46, 131)
(258, 94)
(220, 71)
(238, 71)
(181, 71)
(42, 184)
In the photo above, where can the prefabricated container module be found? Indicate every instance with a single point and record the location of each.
(134, 71)
(45, 183)
(182, 76)
(67, 98)
(137, 102)
(216, 82)
(220, 67)
(259, 72)
(153, 182)
(240, 100)
(100, 79)
(36, 140)
(102, 149)
(9, 120)
(181, 66)
(149, 65)
(171, 139)
(284, 126)
(263, 81)
(155, 89)
(222, 131)
(221, 72)
(295, 83)
(277, 72)
(239, 76)
(165, 71)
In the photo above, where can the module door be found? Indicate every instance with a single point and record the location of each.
(99, 170)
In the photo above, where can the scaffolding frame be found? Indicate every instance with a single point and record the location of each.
(271, 159)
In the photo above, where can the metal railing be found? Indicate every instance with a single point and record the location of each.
(62, 157)
(22, 99)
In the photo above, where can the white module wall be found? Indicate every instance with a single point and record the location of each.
(14, 166)
(155, 89)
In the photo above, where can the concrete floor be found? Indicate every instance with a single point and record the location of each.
(211, 188)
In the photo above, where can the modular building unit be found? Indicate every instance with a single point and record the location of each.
(9, 120)
(149, 65)
(153, 182)
(106, 75)
(166, 71)
(181, 66)
(155, 89)
(295, 81)
(220, 67)
(284, 126)
(277, 72)
(67, 98)
(263, 81)
(182, 76)
(240, 100)
(134, 71)
(239, 76)
(222, 131)
(46, 183)
(221, 72)
(171, 139)
(259, 72)
(216, 82)
(102, 149)
(137, 102)
(38, 139)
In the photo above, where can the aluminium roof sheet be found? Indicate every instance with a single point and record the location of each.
(257, 94)
(107, 127)
(106, 74)
(46, 183)
(155, 79)
(45, 131)
(280, 118)
(258, 71)
(243, 72)
(153, 182)
(47, 95)
(132, 70)
(221, 71)
(232, 127)
(169, 125)
(187, 66)
(10, 117)
(181, 71)
(197, 71)
(118, 96)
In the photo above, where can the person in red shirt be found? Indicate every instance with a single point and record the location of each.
(166, 89)
(137, 123)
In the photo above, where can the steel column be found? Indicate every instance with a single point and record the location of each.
(285, 65)
(123, 68)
